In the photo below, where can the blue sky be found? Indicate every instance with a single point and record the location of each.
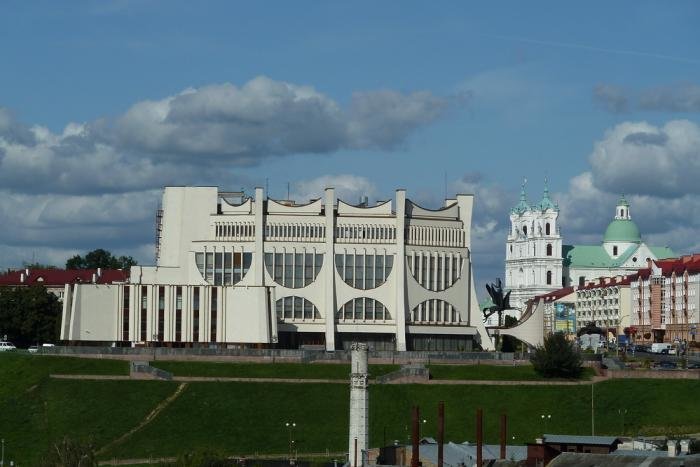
(403, 94)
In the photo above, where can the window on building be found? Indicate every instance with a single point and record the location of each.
(581, 281)
(214, 309)
(195, 314)
(364, 271)
(363, 309)
(549, 277)
(125, 314)
(546, 228)
(144, 313)
(296, 308)
(549, 249)
(161, 313)
(435, 272)
(178, 314)
(525, 230)
(615, 250)
(294, 270)
(434, 311)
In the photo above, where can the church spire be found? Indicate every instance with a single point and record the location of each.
(522, 205)
(547, 202)
(622, 210)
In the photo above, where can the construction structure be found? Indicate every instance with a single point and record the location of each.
(359, 405)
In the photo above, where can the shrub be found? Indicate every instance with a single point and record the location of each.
(557, 358)
(70, 453)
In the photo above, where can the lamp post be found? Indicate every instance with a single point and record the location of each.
(622, 413)
(2, 459)
(290, 428)
(545, 419)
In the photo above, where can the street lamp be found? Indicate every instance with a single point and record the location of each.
(545, 419)
(622, 413)
(2, 459)
(290, 428)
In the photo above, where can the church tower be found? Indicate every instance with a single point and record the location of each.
(533, 249)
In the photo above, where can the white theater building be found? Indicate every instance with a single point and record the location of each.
(237, 271)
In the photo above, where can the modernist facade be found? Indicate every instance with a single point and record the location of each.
(537, 263)
(666, 300)
(234, 270)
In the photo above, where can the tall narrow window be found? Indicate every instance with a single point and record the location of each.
(214, 302)
(161, 313)
(546, 228)
(195, 315)
(615, 250)
(125, 315)
(549, 277)
(144, 311)
(178, 314)
(525, 230)
(549, 249)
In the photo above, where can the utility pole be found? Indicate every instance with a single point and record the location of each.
(592, 412)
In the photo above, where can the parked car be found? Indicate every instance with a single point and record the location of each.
(693, 366)
(7, 346)
(33, 349)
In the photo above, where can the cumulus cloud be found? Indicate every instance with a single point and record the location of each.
(680, 97)
(270, 118)
(640, 158)
(348, 188)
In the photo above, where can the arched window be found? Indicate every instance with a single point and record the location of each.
(525, 230)
(549, 277)
(549, 248)
(546, 228)
(615, 250)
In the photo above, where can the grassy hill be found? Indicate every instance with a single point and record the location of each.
(244, 418)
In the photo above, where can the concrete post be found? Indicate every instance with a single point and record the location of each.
(329, 270)
(359, 404)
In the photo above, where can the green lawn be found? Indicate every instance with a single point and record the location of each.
(491, 372)
(267, 370)
(244, 418)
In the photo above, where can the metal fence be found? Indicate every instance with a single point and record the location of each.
(292, 355)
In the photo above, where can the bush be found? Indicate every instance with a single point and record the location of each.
(557, 358)
(70, 453)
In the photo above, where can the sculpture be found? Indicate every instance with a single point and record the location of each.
(500, 302)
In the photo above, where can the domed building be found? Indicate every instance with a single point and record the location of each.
(538, 263)
(622, 252)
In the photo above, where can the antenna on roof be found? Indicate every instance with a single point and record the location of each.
(288, 190)
(445, 184)
(267, 187)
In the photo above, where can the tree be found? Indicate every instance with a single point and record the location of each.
(29, 315)
(557, 358)
(100, 258)
(70, 453)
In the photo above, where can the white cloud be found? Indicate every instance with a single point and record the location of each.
(348, 188)
(640, 158)
(678, 97)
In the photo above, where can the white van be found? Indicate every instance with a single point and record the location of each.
(657, 347)
(7, 346)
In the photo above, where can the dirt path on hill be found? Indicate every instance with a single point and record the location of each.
(152, 415)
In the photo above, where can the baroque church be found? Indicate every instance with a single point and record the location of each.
(538, 263)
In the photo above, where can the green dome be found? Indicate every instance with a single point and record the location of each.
(622, 230)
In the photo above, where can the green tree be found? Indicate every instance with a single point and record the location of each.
(100, 258)
(29, 315)
(557, 358)
(70, 453)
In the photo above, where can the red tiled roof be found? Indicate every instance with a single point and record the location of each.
(58, 277)
(555, 294)
(689, 263)
(624, 280)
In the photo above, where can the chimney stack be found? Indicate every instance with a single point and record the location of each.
(479, 436)
(21, 278)
(415, 454)
(99, 272)
(441, 432)
(504, 435)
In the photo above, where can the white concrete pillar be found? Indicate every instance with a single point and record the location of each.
(329, 305)
(400, 265)
(358, 441)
